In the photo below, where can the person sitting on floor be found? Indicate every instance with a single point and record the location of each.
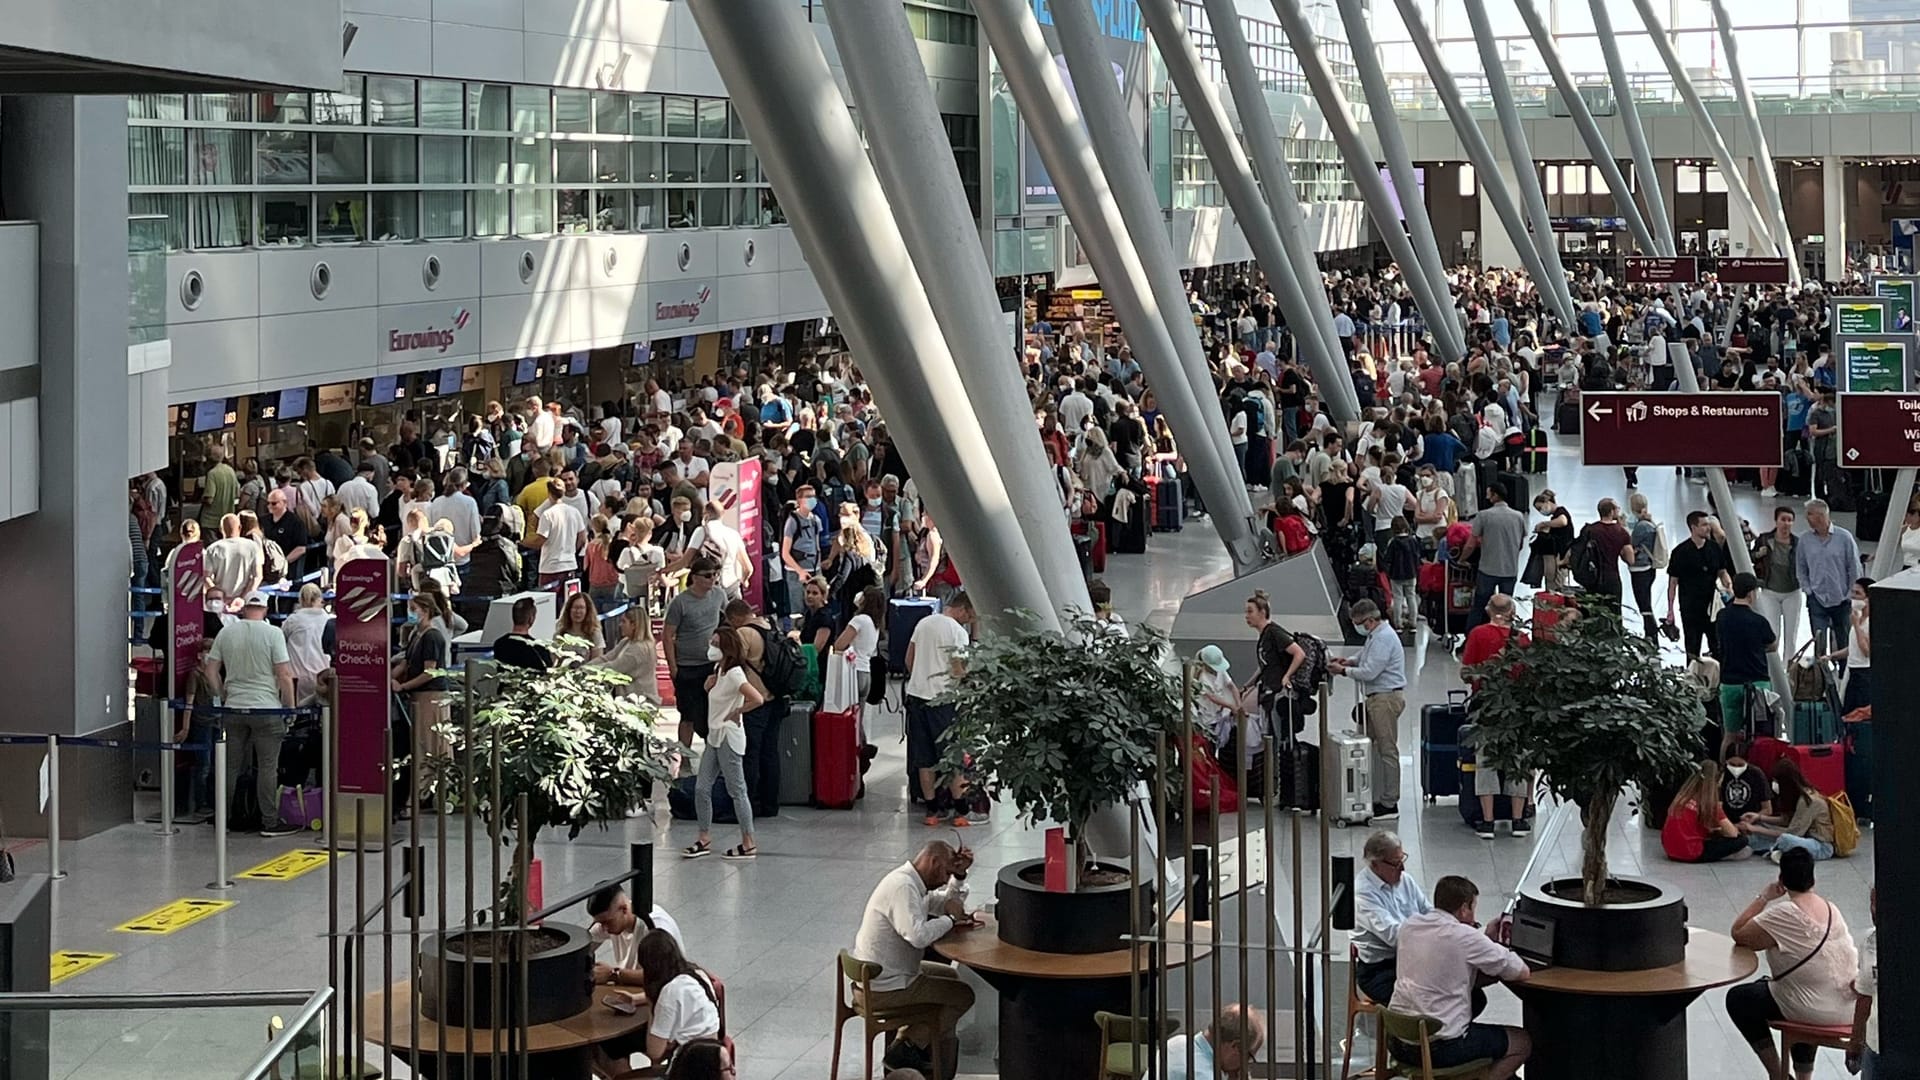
(1798, 817)
(1697, 829)
(1224, 1050)
(1442, 959)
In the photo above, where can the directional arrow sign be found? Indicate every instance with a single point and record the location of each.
(1879, 431)
(1732, 430)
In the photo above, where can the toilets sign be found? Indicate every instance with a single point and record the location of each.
(1879, 431)
(1732, 430)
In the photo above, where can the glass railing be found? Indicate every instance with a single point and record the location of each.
(249, 1035)
(146, 278)
(1656, 94)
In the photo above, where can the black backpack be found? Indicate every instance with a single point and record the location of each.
(1583, 559)
(780, 663)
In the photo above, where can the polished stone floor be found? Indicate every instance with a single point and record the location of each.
(772, 928)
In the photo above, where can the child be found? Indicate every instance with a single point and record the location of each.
(1403, 574)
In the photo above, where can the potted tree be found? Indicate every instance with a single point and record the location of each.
(573, 749)
(1589, 707)
(1061, 724)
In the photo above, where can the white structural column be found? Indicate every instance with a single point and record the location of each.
(785, 93)
(1658, 220)
(1597, 147)
(1063, 143)
(1509, 245)
(1775, 208)
(1413, 203)
(1833, 215)
(1282, 194)
(1739, 194)
(910, 152)
(1525, 172)
(1360, 166)
(1313, 336)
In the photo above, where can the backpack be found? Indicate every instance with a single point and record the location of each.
(436, 551)
(1846, 827)
(1313, 665)
(780, 664)
(1583, 559)
(1662, 551)
(273, 562)
(1294, 537)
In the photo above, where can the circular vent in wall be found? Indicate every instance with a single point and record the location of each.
(193, 289)
(685, 258)
(430, 272)
(750, 253)
(321, 280)
(527, 264)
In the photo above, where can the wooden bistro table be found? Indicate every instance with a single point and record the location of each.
(1612, 1024)
(559, 1049)
(1047, 1000)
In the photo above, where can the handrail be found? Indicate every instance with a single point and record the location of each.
(290, 1036)
(51, 1001)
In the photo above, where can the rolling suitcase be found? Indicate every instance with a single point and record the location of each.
(1297, 781)
(1517, 488)
(1824, 765)
(1349, 766)
(1566, 417)
(836, 759)
(903, 614)
(1169, 507)
(1129, 537)
(796, 756)
(1439, 746)
(1533, 459)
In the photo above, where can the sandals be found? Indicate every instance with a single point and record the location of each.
(739, 854)
(695, 851)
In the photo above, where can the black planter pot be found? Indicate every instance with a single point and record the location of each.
(1095, 919)
(559, 975)
(1642, 925)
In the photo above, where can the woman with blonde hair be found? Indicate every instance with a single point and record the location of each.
(1647, 538)
(1697, 829)
(305, 631)
(354, 542)
(580, 618)
(634, 655)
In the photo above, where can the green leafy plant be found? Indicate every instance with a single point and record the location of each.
(1062, 723)
(1590, 707)
(581, 749)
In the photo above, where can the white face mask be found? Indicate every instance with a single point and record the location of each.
(713, 654)
(683, 515)
(1859, 605)
(1736, 770)
(1776, 787)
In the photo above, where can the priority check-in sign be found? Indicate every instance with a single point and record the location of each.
(1726, 430)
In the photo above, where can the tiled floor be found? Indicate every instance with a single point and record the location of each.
(773, 928)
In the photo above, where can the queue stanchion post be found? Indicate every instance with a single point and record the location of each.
(53, 809)
(220, 797)
(166, 785)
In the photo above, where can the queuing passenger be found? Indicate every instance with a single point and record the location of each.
(518, 647)
(931, 663)
(634, 656)
(729, 695)
(306, 632)
(248, 667)
(690, 621)
(580, 618)
(1380, 672)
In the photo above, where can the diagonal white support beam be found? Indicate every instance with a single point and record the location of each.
(1769, 183)
(1659, 222)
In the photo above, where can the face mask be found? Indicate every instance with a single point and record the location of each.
(875, 501)
(1776, 787)
(413, 617)
(1859, 605)
(806, 504)
(683, 515)
(713, 654)
(1429, 481)
(1736, 770)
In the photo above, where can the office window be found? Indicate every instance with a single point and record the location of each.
(229, 108)
(571, 111)
(713, 164)
(611, 211)
(339, 159)
(346, 105)
(649, 209)
(645, 109)
(743, 164)
(492, 212)
(488, 107)
(156, 156)
(683, 208)
(746, 207)
(443, 214)
(395, 215)
(286, 218)
(532, 109)
(173, 233)
(611, 114)
(647, 167)
(440, 104)
(283, 109)
(612, 163)
(532, 212)
(395, 159)
(220, 157)
(156, 107)
(340, 218)
(532, 162)
(390, 102)
(683, 163)
(574, 210)
(492, 161)
(222, 221)
(283, 157)
(443, 159)
(680, 118)
(1469, 182)
(713, 118)
(573, 162)
(734, 124)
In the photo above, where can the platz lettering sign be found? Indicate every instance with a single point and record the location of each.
(1879, 431)
(1731, 430)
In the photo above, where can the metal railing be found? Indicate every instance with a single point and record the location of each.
(304, 1029)
(1657, 94)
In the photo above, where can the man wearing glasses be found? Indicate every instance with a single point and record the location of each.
(1384, 896)
(690, 621)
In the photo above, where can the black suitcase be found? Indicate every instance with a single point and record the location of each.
(1533, 459)
(1566, 418)
(1872, 515)
(1439, 746)
(1129, 537)
(1517, 488)
(1297, 782)
(680, 801)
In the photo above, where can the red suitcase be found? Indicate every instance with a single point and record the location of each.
(1764, 752)
(836, 758)
(1824, 765)
(1099, 531)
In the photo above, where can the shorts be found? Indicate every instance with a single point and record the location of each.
(690, 695)
(926, 725)
(1492, 782)
(1482, 1042)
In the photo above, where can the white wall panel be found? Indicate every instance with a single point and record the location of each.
(403, 273)
(500, 265)
(437, 332)
(560, 60)
(747, 251)
(477, 52)
(229, 285)
(147, 414)
(1890, 133)
(753, 298)
(19, 295)
(695, 74)
(615, 313)
(800, 295)
(702, 251)
(286, 279)
(388, 44)
(314, 347)
(502, 14)
(218, 354)
(526, 325)
(23, 456)
(405, 9)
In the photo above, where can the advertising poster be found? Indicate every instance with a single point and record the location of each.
(1862, 315)
(363, 627)
(1874, 366)
(1125, 35)
(736, 486)
(186, 612)
(1900, 291)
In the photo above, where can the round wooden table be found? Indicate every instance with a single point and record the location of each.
(1610, 1024)
(1047, 1000)
(558, 1049)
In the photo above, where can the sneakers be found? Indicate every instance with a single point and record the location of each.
(1484, 830)
(938, 817)
(1768, 493)
(1385, 811)
(280, 829)
(904, 1055)
(1774, 856)
(1522, 827)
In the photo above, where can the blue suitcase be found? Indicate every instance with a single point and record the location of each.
(1439, 746)
(903, 615)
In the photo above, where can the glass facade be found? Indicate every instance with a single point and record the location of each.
(387, 158)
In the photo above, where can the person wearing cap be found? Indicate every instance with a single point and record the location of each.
(1221, 696)
(249, 668)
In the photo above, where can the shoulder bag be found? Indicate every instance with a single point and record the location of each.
(1802, 962)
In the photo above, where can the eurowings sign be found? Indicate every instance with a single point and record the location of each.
(683, 305)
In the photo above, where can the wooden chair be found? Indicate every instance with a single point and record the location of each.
(1358, 1005)
(877, 1021)
(1127, 1041)
(1418, 1031)
(1831, 1036)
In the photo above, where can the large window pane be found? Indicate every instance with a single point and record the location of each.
(440, 103)
(746, 206)
(532, 162)
(683, 208)
(172, 232)
(574, 210)
(286, 219)
(532, 109)
(612, 164)
(443, 214)
(156, 156)
(443, 159)
(395, 215)
(394, 159)
(743, 164)
(224, 107)
(713, 208)
(492, 213)
(647, 158)
(735, 126)
(488, 108)
(339, 159)
(532, 212)
(283, 109)
(683, 163)
(344, 106)
(571, 111)
(390, 102)
(610, 211)
(221, 157)
(157, 107)
(713, 118)
(573, 162)
(610, 113)
(492, 161)
(649, 209)
(713, 164)
(222, 221)
(340, 218)
(680, 118)
(283, 157)
(646, 114)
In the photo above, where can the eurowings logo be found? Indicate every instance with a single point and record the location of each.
(685, 310)
(365, 605)
(189, 583)
(430, 338)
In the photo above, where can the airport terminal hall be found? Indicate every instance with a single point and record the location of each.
(959, 539)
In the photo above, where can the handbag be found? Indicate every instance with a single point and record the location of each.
(1802, 962)
(842, 693)
(1804, 678)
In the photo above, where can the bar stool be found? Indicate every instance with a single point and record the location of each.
(1831, 1036)
(1359, 1004)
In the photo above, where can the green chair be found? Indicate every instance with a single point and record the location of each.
(1418, 1031)
(858, 975)
(1126, 1042)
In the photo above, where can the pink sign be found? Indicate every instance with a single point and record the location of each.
(186, 612)
(736, 485)
(362, 607)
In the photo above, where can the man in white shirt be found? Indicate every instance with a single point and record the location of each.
(723, 544)
(582, 502)
(930, 664)
(458, 507)
(659, 401)
(617, 927)
(1384, 897)
(693, 469)
(563, 532)
(1223, 1050)
(543, 428)
(1442, 953)
(234, 563)
(359, 493)
(1074, 410)
(915, 905)
(313, 489)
